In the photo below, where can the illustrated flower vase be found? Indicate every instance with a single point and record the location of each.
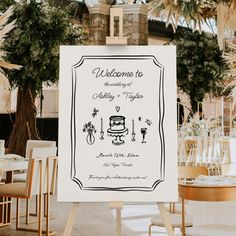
(90, 137)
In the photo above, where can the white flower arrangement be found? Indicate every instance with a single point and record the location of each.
(195, 127)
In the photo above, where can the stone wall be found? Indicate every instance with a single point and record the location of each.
(135, 23)
(98, 23)
(99, 29)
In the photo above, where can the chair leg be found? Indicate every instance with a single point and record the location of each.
(45, 205)
(47, 196)
(33, 214)
(40, 216)
(17, 213)
(40, 198)
(150, 230)
(36, 205)
(27, 211)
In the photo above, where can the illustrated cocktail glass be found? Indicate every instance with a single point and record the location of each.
(144, 132)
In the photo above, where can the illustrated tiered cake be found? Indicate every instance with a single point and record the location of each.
(117, 123)
(117, 129)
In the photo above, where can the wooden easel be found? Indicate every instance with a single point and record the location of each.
(117, 205)
(112, 39)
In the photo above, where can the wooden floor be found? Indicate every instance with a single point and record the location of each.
(95, 219)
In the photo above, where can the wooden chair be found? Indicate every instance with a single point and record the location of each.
(224, 151)
(191, 172)
(41, 177)
(21, 177)
(228, 169)
(184, 172)
(191, 151)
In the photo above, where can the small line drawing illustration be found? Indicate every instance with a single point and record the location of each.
(117, 129)
(133, 133)
(102, 132)
(117, 108)
(143, 132)
(95, 112)
(148, 122)
(140, 118)
(90, 129)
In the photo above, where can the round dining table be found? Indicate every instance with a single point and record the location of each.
(206, 193)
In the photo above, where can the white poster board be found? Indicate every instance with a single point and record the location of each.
(117, 124)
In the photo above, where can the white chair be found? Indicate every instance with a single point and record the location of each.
(228, 169)
(41, 178)
(211, 230)
(37, 144)
(1, 173)
(184, 172)
(21, 177)
(2, 147)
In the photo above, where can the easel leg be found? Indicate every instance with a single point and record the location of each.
(118, 206)
(71, 218)
(118, 222)
(166, 219)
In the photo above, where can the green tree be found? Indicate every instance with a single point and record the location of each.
(201, 68)
(5, 4)
(5, 28)
(34, 44)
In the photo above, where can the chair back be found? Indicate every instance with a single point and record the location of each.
(1, 173)
(228, 169)
(41, 171)
(191, 151)
(2, 147)
(37, 144)
(191, 172)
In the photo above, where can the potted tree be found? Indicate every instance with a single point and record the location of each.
(34, 44)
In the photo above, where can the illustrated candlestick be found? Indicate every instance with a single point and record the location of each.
(133, 134)
(102, 132)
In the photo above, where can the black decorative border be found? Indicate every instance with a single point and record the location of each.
(160, 126)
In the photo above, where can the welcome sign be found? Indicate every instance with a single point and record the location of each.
(117, 137)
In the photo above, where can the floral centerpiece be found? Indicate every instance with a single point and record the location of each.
(195, 127)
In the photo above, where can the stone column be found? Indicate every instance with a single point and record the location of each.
(135, 23)
(98, 23)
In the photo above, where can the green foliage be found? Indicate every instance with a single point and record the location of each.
(58, 3)
(76, 9)
(73, 8)
(4, 4)
(201, 68)
(34, 43)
